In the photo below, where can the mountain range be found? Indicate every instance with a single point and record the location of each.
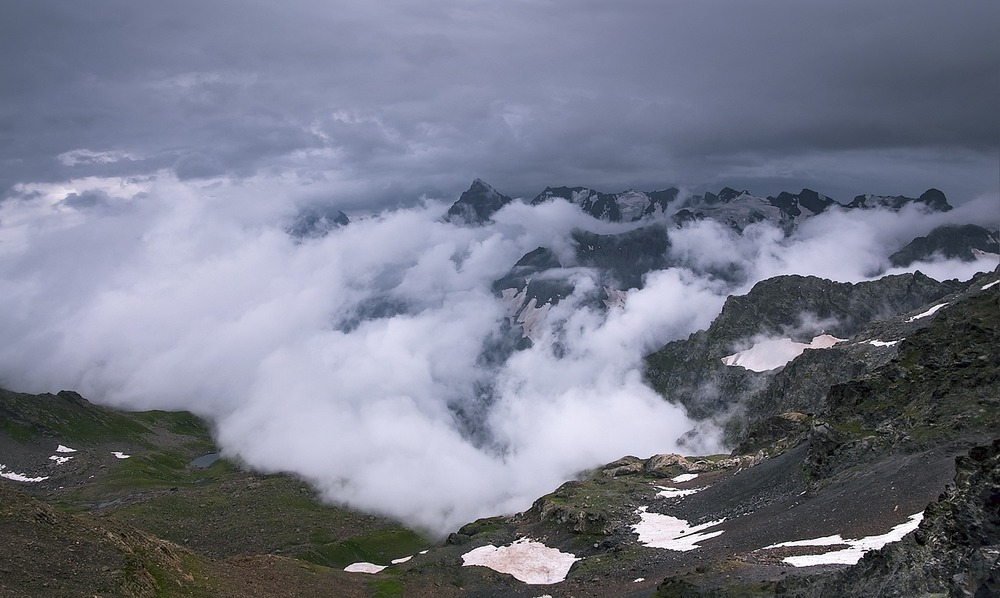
(861, 419)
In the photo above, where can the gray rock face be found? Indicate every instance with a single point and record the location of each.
(954, 552)
(691, 372)
(477, 205)
(620, 261)
(931, 199)
(806, 201)
(627, 206)
(949, 241)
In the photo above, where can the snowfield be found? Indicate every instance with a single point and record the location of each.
(18, 477)
(668, 492)
(684, 477)
(878, 343)
(528, 561)
(671, 533)
(364, 568)
(773, 353)
(855, 548)
(929, 312)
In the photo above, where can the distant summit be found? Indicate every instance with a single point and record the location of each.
(316, 221)
(736, 209)
(627, 206)
(932, 199)
(965, 242)
(477, 205)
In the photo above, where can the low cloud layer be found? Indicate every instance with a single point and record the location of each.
(356, 359)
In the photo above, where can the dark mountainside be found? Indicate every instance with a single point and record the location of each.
(949, 241)
(854, 439)
(691, 371)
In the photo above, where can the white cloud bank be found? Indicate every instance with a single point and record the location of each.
(189, 295)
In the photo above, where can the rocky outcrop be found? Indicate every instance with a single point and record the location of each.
(690, 371)
(627, 206)
(932, 199)
(477, 205)
(965, 242)
(954, 552)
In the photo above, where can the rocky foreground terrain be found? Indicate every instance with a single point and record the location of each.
(898, 449)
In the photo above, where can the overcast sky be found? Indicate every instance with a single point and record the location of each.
(369, 104)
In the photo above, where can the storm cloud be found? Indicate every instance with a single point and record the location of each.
(377, 104)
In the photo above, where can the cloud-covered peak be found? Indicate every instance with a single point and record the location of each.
(477, 205)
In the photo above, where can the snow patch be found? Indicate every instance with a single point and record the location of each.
(671, 533)
(364, 568)
(855, 548)
(59, 460)
(774, 353)
(528, 561)
(65, 449)
(684, 477)
(929, 312)
(638, 579)
(18, 477)
(878, 343)
(401, 561)
(631, 204)
(120, 455)
(668, 492)
(992, 284)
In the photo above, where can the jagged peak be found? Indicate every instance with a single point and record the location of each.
(728, 194)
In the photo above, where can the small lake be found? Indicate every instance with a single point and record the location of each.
(205, 461)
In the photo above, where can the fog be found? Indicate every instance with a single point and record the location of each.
(356, 360)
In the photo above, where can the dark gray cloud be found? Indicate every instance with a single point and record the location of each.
(377, 103)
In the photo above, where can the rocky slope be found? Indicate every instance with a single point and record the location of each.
(692, 371)
(141, 504)
(949, 241)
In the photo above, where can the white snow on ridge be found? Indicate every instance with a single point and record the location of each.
(120, 455)
(774, 353)
(18, 477)
(528, 561)
(684, 477)
(671, 533)
(364, 568)
(400, 561)
(64, 449)
(855, 548)
(992, 284)
(631, 204)
(929, 312)
(878, 343)
(59, 460)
